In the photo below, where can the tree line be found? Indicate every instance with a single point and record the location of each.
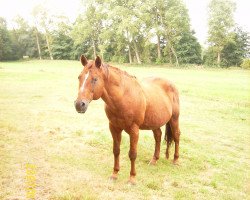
(128, 31)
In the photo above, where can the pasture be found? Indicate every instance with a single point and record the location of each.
(72, 153)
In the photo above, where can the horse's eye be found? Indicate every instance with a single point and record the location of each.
(79, 77)
(93, 81)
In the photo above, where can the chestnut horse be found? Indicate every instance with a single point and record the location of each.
(131, 105)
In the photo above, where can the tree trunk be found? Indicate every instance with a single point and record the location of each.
(218, 58)
(94, 48)
(102, 55)
(158, 46)
(175, 55)
(38, 44)
(48, 45)
(129, 49)
(170, 56)
(129, 55)
(136, 53)
(101, 48)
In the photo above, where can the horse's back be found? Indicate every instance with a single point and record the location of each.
(160, 102)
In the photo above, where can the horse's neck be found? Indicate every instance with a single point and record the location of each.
(114, 88)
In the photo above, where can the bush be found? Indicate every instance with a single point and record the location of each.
(246, 64)
(160, 60)
(119, 59)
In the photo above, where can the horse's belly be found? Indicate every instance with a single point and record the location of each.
(157, 115)
(159, 107)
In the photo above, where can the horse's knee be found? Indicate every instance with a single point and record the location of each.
(132, 155)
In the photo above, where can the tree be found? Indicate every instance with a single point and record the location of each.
(6, 44)
(25, 39)
(122, 30)
(43, 21)
(153, 16)
(220, 24)
(36, 32)
(87, 28)
(62, 46)
(126, 19)
(176, 22)
(188, 49)
(118, 30)
(236, 49)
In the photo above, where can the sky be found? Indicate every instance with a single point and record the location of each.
(198, 15)
(71, 8)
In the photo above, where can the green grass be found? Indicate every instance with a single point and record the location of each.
(73, 152)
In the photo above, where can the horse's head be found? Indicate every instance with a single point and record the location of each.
(91, 83)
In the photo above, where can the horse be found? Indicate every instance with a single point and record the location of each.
(131, 105)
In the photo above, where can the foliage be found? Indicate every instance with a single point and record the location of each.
(127, 31)
(220, 24)
(6, 44)
(25, 39)
(87, 29)
(236, 49)
(44, 22)
(176, 23)
(188, 49)
(233, 52)
(246, 64)
(63, 44)
(210, 57)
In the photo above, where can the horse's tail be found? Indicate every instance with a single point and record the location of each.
(168, 134)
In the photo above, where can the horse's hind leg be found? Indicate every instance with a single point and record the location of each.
(174, 124)
(168, 138)
(157, 136)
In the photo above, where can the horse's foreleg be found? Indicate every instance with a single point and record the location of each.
(116, 134)
(157, 136)
(134, 136)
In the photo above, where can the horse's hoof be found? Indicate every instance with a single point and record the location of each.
(152, 162)
(176, 162)
(113, 177)
(131, 181)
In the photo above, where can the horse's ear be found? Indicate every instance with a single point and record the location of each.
(84, 60)
(98, 62)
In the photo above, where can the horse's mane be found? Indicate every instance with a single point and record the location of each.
(121, 72)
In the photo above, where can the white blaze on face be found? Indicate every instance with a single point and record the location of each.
(84, 82)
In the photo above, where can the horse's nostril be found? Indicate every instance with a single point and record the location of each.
(82, 104)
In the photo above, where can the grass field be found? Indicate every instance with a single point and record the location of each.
(72, 153)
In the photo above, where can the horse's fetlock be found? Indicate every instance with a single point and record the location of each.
(116, 169)
(133, 174)
(156, 157)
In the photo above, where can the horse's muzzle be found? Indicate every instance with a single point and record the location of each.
(81, 106)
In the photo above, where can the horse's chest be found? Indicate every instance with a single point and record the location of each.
(125, 116)
(122, 119)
